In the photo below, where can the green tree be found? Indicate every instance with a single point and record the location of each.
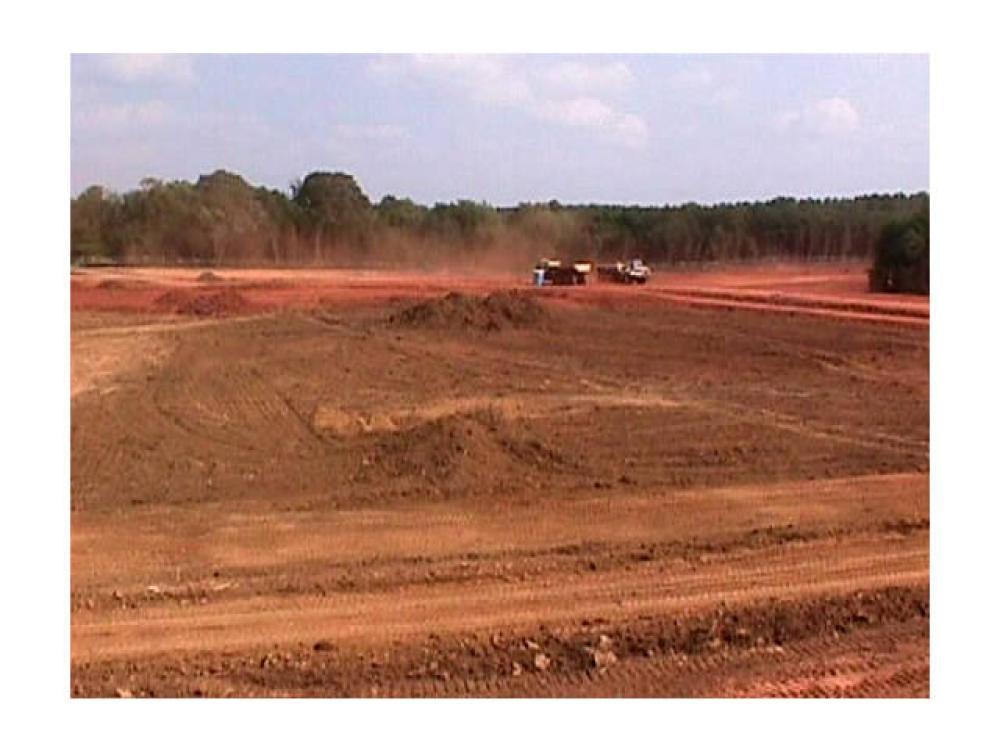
(334, 209)
(232, 215)
(902, 256)
(94, 218)
(284, 217)
(400, 213)
(165, 222)
(222, 218)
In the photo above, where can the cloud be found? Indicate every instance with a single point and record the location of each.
(692, 77)
(115, 118)
(173, 69)
(714, 84)
(482, 78)
(571, 94)
(578, 77)
(588, 112)
(835, 116)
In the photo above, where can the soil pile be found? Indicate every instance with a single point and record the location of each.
(202, 304)
(207, 277)
(118, 285)
(460, 452)
(457, 311)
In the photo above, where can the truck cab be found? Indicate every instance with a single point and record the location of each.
(637, 271)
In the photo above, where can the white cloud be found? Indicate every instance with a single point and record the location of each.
(578, 77)
(631, 130)
(712, 84)
(693, 77)
(177, 69)
(565, 93)
(114, 118)
(485, 79)
(588, 112)
(582, 112)
(835, 116)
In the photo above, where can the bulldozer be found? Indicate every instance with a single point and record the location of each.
(551, 272)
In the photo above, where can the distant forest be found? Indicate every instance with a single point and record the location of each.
(326, 219)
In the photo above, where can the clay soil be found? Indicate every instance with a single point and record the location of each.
(359, 483)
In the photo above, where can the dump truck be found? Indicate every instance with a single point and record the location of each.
(632, 272)
(552, 272)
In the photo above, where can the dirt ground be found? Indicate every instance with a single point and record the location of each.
(358, 483)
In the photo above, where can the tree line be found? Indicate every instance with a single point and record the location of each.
(326, 219)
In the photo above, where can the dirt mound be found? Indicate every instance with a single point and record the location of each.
(460, 452)
(117, 285)
(202, 304)
(783, 646)
(457, 311)
(207, 277)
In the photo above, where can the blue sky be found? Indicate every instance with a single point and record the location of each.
(649, 129)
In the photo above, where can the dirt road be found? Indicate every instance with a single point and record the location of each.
(838, 292)
(324, 486)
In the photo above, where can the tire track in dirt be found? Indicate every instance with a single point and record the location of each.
(790, 423)
(652, 397)
(324, 577)
(231, 406)
(861, 644)
(894, 663)
(527, 406)
(888, 661)
(808, 570)
(555, 533)
(834, 361)
(172, 325)
(790, 305)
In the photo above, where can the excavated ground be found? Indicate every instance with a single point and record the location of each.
(287, 485)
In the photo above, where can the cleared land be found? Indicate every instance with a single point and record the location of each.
(334, 483)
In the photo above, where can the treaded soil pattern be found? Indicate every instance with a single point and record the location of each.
(332, 483)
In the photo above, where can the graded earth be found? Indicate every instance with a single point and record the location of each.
(368, 483)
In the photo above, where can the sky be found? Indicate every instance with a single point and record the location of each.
(622, 129)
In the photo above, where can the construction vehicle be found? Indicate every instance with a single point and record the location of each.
(552, 272)
(632, 272)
